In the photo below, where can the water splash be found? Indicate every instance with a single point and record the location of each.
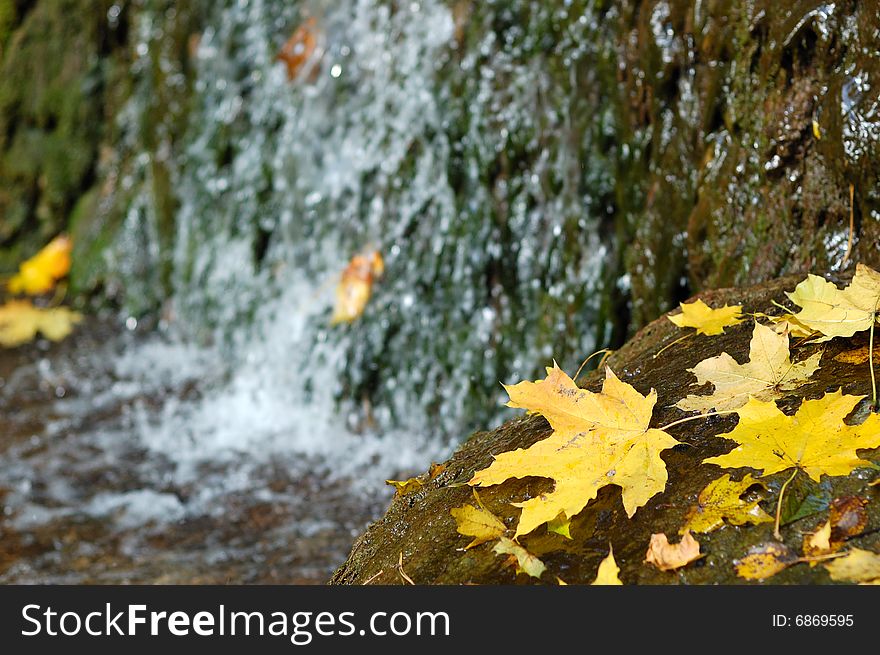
(282, 180)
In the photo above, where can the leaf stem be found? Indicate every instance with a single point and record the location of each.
(871, 360)
(669, 345)
(779, 506)
(822, 558)
(698, 416)
(584, 363)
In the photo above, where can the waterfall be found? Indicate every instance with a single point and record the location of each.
(461, 167)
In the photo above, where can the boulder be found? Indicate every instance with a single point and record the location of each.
(419, 532)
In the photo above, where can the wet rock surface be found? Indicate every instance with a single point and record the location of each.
(418, 528)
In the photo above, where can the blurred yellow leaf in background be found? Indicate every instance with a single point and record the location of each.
(39, 274)
(20, 322)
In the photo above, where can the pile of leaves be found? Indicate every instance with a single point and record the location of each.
(39, 278)
(606, 438)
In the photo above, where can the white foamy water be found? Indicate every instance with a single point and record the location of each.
(261, 408)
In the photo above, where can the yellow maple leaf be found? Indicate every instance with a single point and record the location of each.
(767, 375)
(814, 440)
(20, 322)
(39, 274)
(402, 487)
(721, 501)
(526, 562)
(765, 560)
(478, 522)
(838, 312)
(608, 571)
(668, 557)
(598, 439)
(857, 565)
(706, 320)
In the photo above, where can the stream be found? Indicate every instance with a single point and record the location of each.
(127, 458)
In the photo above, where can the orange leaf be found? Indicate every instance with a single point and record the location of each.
(356, 286)
(667, 557)
(299, 48)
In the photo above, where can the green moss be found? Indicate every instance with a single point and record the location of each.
(8, 17)
(50, 109)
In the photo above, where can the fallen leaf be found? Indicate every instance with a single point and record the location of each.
(814, 440)
(765, 560)
(20, 322)
(705, 319)
(598, 439)
(478, 522)
(720, 501)
(560, 525)
(435, 469)
(405, 486)
(838, 312)
(608, 571)
(857, 565)
(818, 543)
(299, 48)
(526, 562)
(766, 376)
(356, 286)
(39, 274)
(848, 517)
(787, 324)
(804, 498)
(856, 356)
(667, 557)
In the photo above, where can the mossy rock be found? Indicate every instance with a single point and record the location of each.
(55, 59)
(419, 529)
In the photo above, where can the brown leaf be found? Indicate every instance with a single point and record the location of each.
(857, 356)
(299, 48)
(667, 557)
(435, 470)
(848, 517)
